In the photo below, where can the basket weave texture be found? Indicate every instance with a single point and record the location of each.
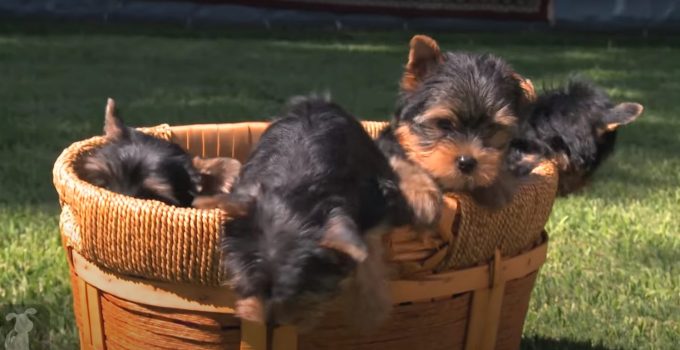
(152, 240)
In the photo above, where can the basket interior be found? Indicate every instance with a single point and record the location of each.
(231, 140)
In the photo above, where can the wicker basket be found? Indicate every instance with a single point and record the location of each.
(147, 276)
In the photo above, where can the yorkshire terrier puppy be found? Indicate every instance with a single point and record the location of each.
(140, 165)
(147, 167)
(575, 126)
(456, 115)
(307, 213)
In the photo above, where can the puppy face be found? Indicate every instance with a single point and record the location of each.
(458, 113)
(139, 165)
(285, 268)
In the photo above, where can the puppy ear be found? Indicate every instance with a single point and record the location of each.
(114, 129)
(423, 56)
(342, 235)
(528, 91)
(621, 114)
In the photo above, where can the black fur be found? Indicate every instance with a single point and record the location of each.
(475, 90)
(569, 124)
(140, 165)
(477, 85)
(312, 165)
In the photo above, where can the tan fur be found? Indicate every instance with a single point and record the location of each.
(217, 174)
(208, 201)
(505, 117)
(160, 187)
(421, 192)
(95, 165)
(221, 201)
(562, 161)
(627, 113)
(438, 112)
(304, 315)
(530, 160)
(529, 93)
(334, 239)
(609, 128)
(424, 53)
(113, 126)
(250, 309)
(571, 179)
(368, 300)
(500, 140)
(440, 160)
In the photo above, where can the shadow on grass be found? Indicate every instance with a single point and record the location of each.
(538, 343)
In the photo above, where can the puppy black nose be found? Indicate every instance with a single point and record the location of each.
(466, 164)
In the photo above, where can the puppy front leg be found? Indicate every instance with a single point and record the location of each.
(420, 191)
(369, 301)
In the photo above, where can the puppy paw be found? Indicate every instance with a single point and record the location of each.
(525, 155)
(217, 174)
(208, 202)
(420, 191)
(250, 309)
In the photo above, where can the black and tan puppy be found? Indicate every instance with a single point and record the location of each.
(308, 212)
(574, 125)
(456, 115)
(142, 166)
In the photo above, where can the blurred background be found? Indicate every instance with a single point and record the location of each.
(606, 15)
(612, 278)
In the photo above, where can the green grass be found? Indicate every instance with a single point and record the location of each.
(612, 280)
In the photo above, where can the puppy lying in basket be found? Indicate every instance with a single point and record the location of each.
(147, 167)
(575, 126)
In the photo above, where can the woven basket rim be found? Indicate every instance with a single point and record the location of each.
(62, 174)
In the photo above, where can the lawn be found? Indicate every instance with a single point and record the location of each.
(612, 280)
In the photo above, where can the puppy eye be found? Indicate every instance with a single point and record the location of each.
(444, 124)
